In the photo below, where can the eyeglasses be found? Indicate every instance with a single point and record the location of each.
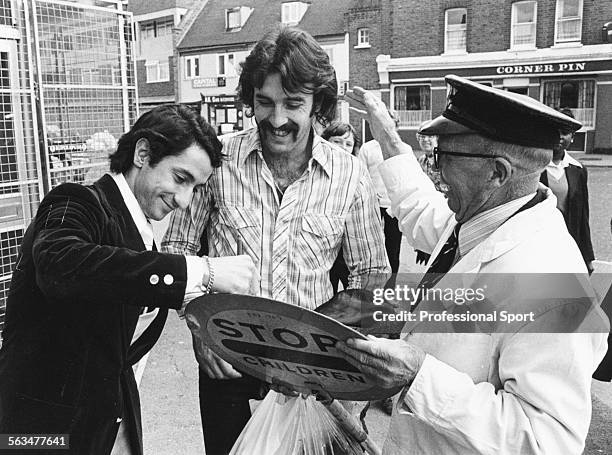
(437, 152)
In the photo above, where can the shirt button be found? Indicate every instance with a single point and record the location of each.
(168, 279)
(119, 419)
(154, 279)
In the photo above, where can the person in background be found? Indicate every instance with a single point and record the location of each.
(286, 198)
(567, 179)
(90, 292)
(427, 144)
(344, 136)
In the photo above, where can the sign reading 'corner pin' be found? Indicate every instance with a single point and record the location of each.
(280, 343)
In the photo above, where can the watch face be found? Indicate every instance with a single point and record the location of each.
(281, 343)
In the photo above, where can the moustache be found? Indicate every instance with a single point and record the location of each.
(288, 127)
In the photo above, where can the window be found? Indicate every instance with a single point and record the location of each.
(157, 71)
(232, 19)
(363, 37)
(235, 18)
(154, 29)
(292, 12)
(412, 105)
(577, 95)
(523, 25)
(455, 38)
(225, 65)
(568, 24)
(192, 67)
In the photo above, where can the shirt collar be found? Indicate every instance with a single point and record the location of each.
(484, 224)
(140, 220)
(565, 162)
(320, 151)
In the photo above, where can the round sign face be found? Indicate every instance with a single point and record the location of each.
(280, 343)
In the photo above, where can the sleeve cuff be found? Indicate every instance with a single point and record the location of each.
(196, 267)
(430, 392)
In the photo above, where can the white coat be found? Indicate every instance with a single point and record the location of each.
(508, 392)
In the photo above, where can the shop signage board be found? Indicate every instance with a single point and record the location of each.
(281, 343)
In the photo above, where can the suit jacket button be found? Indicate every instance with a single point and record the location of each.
(168, 279)
(119, 419)
(154, 279)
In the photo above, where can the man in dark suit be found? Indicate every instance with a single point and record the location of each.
(567, 179)
(90, 293)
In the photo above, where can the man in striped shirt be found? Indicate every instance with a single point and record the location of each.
(285, 198)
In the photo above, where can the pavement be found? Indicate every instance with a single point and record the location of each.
(170, 409)
(592, 159)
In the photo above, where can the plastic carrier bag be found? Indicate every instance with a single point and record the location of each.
(300, 425)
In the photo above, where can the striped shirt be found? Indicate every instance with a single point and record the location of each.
(293, 241)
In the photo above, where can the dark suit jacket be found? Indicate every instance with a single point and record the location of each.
(81, 280)
(577, 213)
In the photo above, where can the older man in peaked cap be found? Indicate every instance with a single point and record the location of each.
(518, 389)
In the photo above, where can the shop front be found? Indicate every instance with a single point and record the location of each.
(582, 83)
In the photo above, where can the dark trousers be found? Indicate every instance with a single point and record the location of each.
(393, 239)
(224, 407)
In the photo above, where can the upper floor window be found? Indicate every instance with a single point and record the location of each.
(157, 71)
(235, 18)
(225, 65)
(523, 33)
(568, 24)
(363, 37)
(154, 29)
(292, 12)
(192, 67)
(455, 38)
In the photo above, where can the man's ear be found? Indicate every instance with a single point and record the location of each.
(502, 171)
(142, 151)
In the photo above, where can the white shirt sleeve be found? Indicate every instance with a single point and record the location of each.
(422, 211)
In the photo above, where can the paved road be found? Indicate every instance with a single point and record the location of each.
(600, 203)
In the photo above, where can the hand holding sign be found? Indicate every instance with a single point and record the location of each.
(388, 363)
(210, 363)
(280, 343)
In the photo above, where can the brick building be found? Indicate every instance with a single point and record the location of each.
(224, 32)
(557, 51)
(155, 24)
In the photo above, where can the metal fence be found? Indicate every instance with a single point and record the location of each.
(67, 92)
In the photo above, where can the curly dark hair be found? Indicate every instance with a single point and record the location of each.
(170, 130)
(302, 64)
(340, 129)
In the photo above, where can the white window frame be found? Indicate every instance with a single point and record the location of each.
(513, 24)
(230, 11)
(227, 72)
(145, 29)
(404, 122)
(293, 12)
(456, 27)
(559, 19)
(158, 71)
(363, 38)
(190, 63)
